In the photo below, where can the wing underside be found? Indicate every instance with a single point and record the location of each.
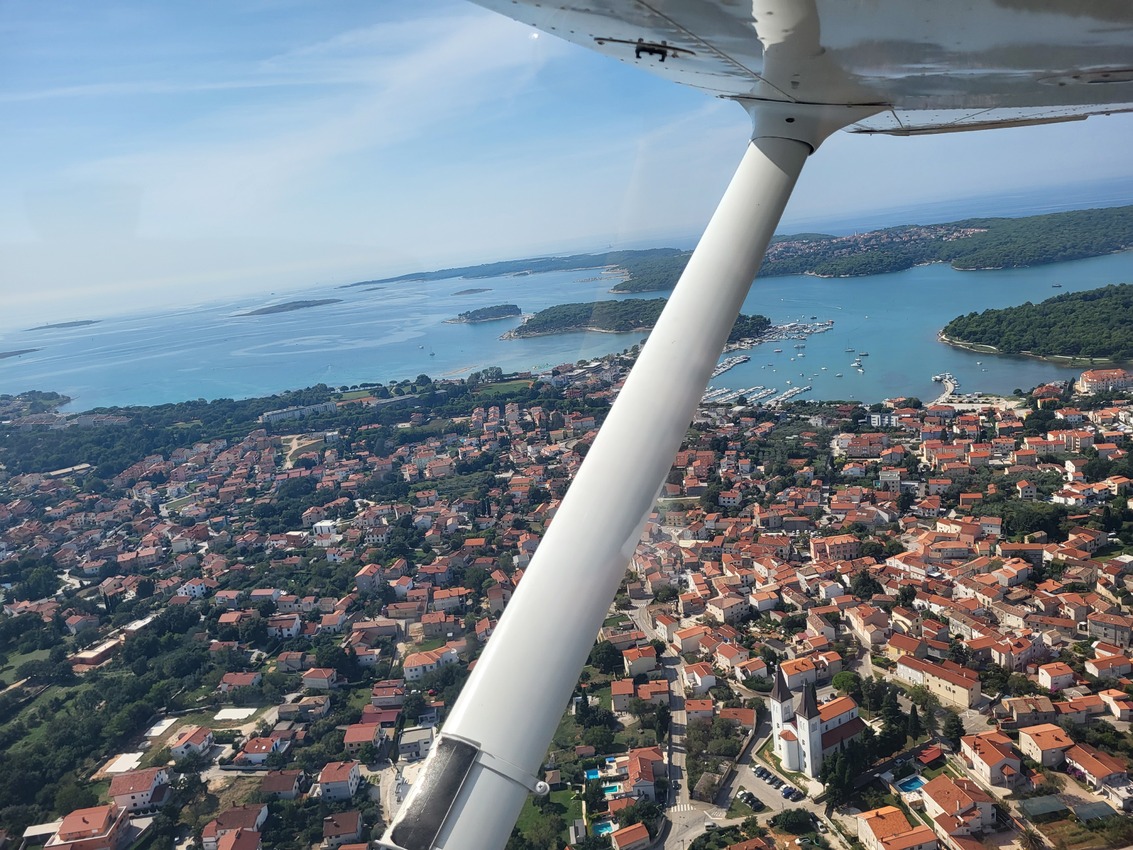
(934, 66)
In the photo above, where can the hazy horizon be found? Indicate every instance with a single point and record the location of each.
(179, 153)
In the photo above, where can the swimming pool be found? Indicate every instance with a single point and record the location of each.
(911, 784)
(611, 789)
(592, 773)
(603, 827)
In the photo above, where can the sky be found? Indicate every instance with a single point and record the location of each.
(173, 153)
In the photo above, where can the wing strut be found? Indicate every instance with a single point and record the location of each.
(487, 759)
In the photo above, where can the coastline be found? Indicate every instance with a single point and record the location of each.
(457, 320)
(513, 335)
(1057, 359)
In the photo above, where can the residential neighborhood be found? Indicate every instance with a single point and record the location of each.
(906, 626)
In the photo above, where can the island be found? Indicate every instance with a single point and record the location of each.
(470, 291)
(1078, 326)
(486, 314)
(6, 354)
(968, 245)
(290, 306)
(629, 316)
(82, 323)
(530, 265)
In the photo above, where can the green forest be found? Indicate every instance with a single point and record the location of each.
(487, 314)
(978, 243)
(620, 316)
(1093, 324)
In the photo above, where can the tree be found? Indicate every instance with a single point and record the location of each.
(849, 683)
(916, 729)
(953, 730)
(605, 657)
(1031, 839)
(413, 706)
(864, 586)
(905, 595)
(794, 821)
(593, 795)
(958, 652)
(544, 831)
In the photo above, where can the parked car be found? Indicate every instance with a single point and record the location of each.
(756, 804)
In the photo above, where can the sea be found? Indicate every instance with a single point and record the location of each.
(394, 331)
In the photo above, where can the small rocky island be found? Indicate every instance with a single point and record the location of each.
(289, 306)
(57, 325)
(487, 314)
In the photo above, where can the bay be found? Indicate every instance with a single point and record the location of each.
(391, 332)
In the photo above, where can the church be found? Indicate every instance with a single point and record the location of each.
(810, 734)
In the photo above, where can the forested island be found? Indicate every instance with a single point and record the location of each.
(16, 353)
(474, 291)
(486, 314)
(617, 317)
(1097, 324)
(290, 306)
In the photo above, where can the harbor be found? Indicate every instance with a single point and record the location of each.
(950, 385)
(729, 363)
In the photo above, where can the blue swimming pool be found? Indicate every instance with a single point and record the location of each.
(911, 784)
(603, 827)
(612, 789)
(592, 773)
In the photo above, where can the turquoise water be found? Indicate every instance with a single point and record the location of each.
(611, 789)
(911, 784)
(397, 331)
(603, 827)
(592, 773)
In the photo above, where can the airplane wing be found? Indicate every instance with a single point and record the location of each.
(803, 69)
(936, 67)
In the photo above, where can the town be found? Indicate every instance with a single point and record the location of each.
(902, 626)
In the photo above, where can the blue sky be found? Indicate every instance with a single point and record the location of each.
(175, 152)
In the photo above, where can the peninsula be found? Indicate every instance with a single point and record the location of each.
(1092, 325)
(628, 316)
(486, 314)
(970, 244)
(290, 306)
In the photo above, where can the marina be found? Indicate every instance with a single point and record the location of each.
(729, 363)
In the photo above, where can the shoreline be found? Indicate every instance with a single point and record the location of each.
(1056, 359)
(513, 335)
